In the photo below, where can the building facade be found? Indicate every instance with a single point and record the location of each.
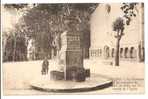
(103, 42)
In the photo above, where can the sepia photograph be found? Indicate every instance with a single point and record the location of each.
(73, 48)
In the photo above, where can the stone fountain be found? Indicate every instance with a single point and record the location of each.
(71, 76)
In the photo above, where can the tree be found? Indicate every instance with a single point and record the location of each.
(14, 40)
(118, 26)
(45, 21)
(15, 6)
(15, 47)
(129, 10)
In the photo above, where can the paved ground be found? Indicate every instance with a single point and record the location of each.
(128, 77)
(127, 69)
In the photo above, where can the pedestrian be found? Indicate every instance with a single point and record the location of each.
(45, 66)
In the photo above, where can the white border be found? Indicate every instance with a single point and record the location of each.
(87, 96)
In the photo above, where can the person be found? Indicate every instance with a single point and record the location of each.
(45, 66)
(56, 44)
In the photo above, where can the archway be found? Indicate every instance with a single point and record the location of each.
(121, 52)
(106, 51)
(113, 52)
(126, 52)
(132, 52)
(143, 54)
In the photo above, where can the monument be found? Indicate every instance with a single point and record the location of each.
(70, 59)
(70, 74)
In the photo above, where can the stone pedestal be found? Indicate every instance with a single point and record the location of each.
(95, 82)
(70, 58)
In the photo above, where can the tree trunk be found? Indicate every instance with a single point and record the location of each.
(14, 49)
(117, 52)
(52, 53)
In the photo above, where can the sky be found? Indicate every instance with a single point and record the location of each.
(9, 19)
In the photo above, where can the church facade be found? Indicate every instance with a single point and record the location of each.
(102, 40)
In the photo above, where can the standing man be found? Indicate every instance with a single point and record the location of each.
(45, 66)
